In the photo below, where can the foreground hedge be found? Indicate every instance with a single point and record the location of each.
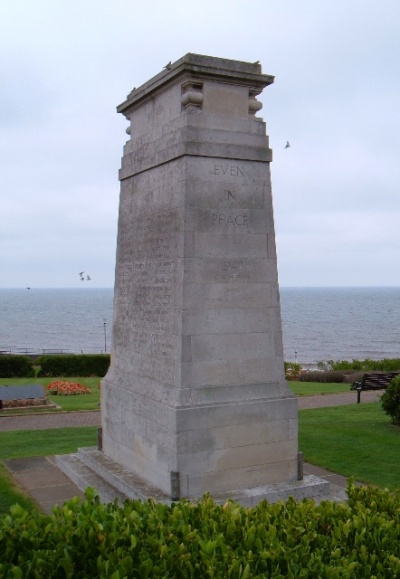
(12, 366)
(201, 540)
(73, 365)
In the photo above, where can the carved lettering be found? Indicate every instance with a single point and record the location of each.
(226, 169)
(233, 220)
(232, 270)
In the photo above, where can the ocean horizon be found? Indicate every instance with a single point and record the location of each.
(318, 323)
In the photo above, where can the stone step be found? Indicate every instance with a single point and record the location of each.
(120, 477)
(91, 467)
(84, 477)
(310, 487)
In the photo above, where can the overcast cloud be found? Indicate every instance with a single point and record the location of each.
(65, 66)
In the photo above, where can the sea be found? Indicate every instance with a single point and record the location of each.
(319, 324)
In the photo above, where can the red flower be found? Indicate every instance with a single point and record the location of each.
(66, 388)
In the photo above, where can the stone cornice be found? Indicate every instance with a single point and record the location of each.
(197, 67)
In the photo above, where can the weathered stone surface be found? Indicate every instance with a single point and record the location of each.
(195, 399)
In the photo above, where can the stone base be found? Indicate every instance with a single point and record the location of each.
(91, 467)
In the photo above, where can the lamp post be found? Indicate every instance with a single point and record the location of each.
(105, 334)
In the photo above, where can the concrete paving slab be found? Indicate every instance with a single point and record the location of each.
(21, 465)
(43, 481)
(46, 420)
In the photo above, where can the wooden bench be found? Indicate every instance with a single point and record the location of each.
(373, 381)
(27, 392)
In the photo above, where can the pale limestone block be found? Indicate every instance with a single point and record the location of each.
(278, 341)
(212, 394)
(145, 469)
(227, 295)
(229, 245)
(219, 270)
(231, 347)
(232, 436)
(293, 429)
(231, 371)
(227, 459)
(225, 100)
(247, 412)
(194, 486)
(225, 321)
(156, 112)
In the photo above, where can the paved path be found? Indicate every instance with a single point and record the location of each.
(337, 399)
(50, 420)
(92, 418)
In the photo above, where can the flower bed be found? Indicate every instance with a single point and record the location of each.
(66, 388)
(26, 403)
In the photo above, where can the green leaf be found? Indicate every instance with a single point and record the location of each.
(145, 568)
(17, 511)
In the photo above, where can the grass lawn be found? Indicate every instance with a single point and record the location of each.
(82, 402)
(313, 388)
(356, 440)
(11, 494)
(25, 443)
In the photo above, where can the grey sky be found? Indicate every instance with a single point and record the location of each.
(65, 66)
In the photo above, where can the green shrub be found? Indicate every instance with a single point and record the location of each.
(16, 366)
(330, 376)
(138, 540)
(390, 400)
(73, 365)
(292, 370)
(367, 365)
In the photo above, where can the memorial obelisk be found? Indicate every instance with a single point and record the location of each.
(195, 399)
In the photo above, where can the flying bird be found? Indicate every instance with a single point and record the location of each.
(287, 145)
(88, 277)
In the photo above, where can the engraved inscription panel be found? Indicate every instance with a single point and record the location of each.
(226, 183)
(147, 293)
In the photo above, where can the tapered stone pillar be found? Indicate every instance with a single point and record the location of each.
(195, 399)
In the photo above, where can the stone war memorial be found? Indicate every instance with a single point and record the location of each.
(195, 399)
